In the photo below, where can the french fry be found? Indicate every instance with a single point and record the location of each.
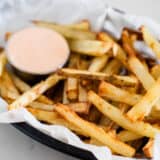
(54, 118)
(98, 63)
(80, 107)
(142, 74)
(144, 106)
(82, 96)
(113, 67)
(67, 32)
(32, 94)
(116, 79)
(65, 98)
(72, 88)
(7, 81)
(151, 41)
(155, 71)
(114, 93)
(95, 142)
(95, 132)
(138, 69)
(118, 51)
(3, 61)
(83, 25)
(126, 136)
(5, 93)
(90, 47)
(139, 127)
(148, 148)
(23, 87)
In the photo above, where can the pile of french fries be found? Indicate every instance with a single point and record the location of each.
(108, 94)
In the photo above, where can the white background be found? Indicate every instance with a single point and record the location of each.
(17, 146)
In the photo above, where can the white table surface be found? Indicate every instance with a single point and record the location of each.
(17, 146)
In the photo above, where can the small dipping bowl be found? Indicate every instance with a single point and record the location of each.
(36, 52)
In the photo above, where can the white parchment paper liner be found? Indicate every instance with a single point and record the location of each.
(16, 14)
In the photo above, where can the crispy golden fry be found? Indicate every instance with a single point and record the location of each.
(118, 52)
(32, 94)
(98, 63)
(72, 88)
(116, 79)
(151, 41)
(54, 118)
(126, 136)
(114, 93)
(148, 148)
(90, 47)
(139, 127)
(155, 71)
(144, 106)
(23, 87)
(95, 132)
(113, 67)
(3, 61)
(67, 32)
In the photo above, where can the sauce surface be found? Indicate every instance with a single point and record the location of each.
(37, 50)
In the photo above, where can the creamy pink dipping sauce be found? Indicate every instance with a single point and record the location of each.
(37, 50)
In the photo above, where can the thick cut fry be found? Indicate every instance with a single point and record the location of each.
(113, 67)
(114, 93)
(155, 71)
(148, 148)
(23, 87)
(126, 136)
(67, 32)
(116, 79)
(3, 61)
(139, 127)
(151, 41)
(95, 132)
(54, 118)
(98, 63)
(118, 51)
(32, 94)
(90, 47)
(72, 88)
(144, 106)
